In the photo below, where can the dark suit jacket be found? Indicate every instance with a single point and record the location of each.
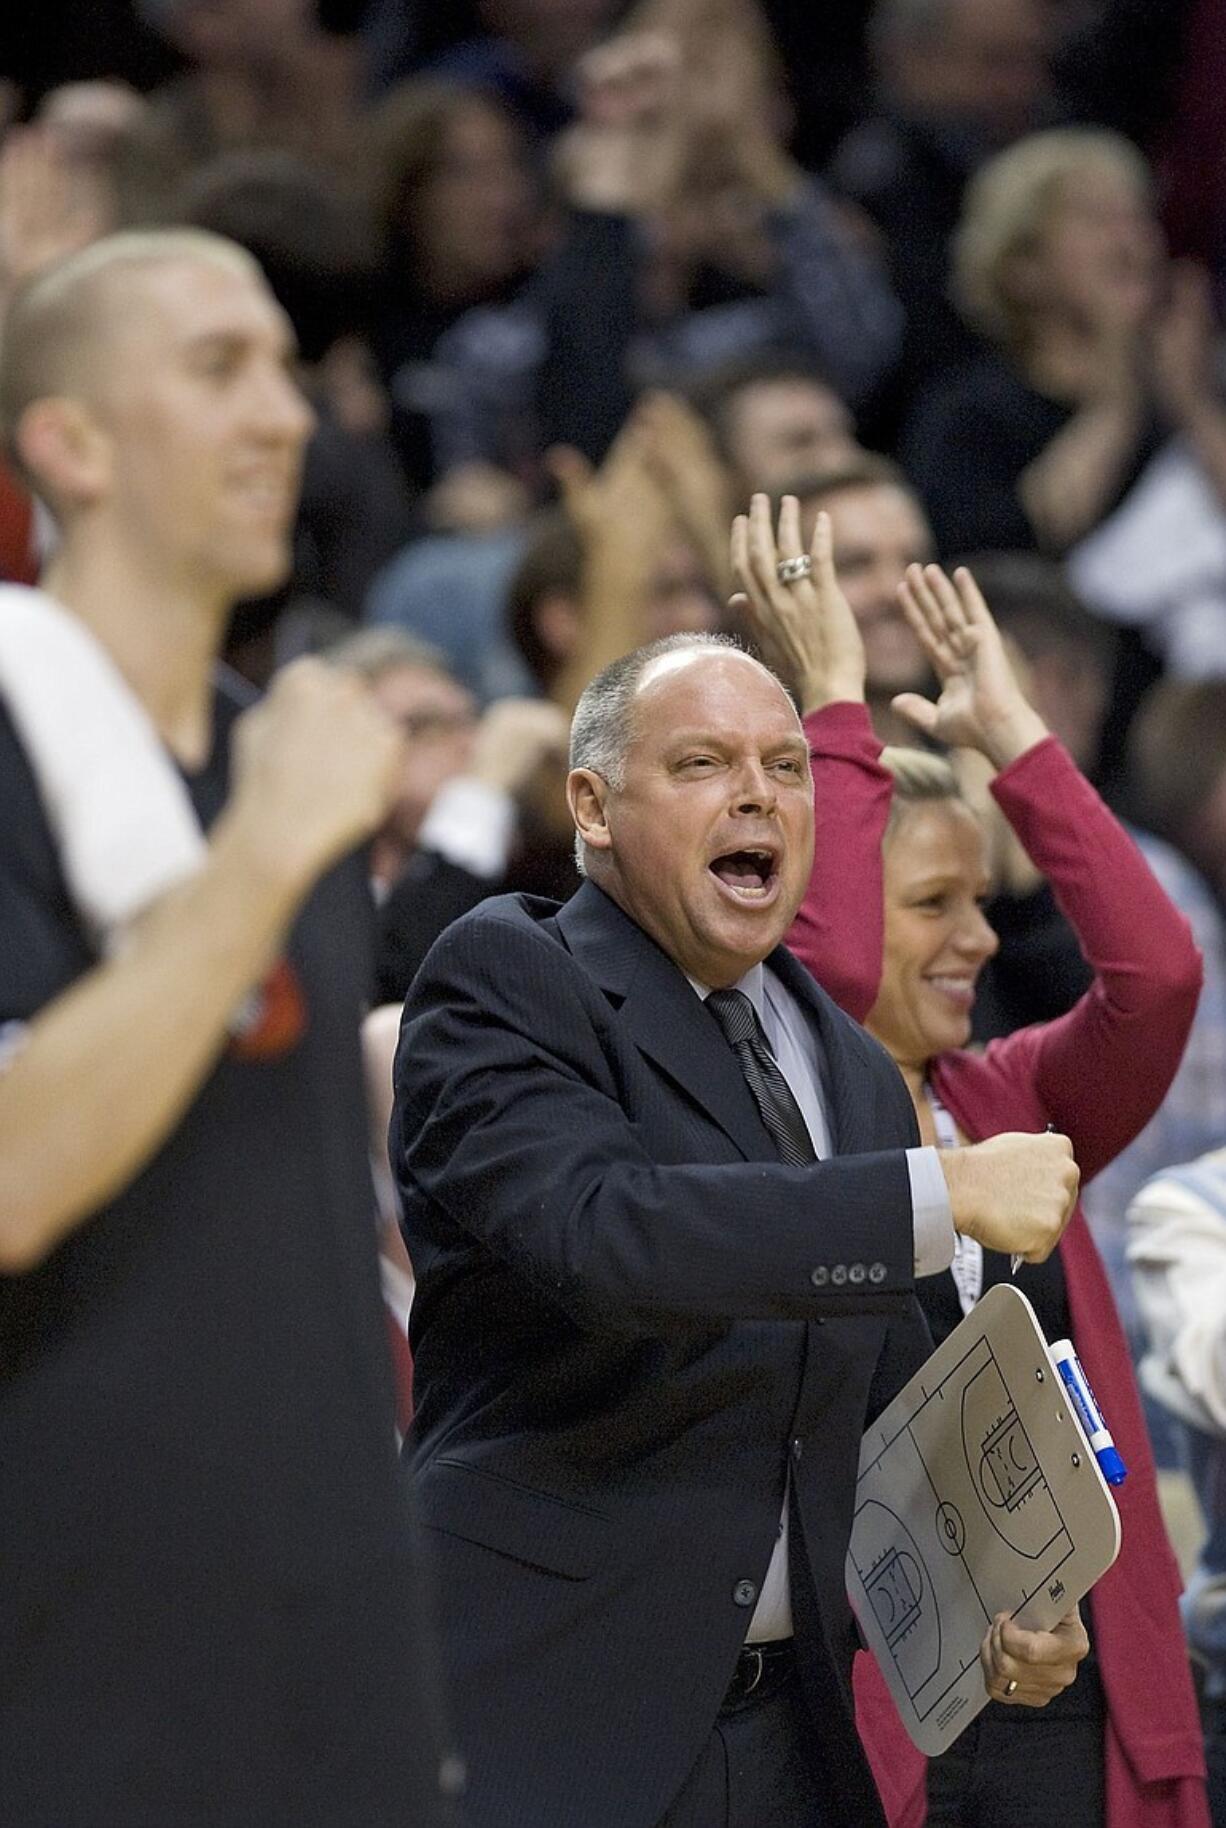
(631, 1321)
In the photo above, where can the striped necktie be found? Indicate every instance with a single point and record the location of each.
(772, 1094)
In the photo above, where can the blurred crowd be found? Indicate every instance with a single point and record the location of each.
(570, 279)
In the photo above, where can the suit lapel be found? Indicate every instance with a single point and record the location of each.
(663, 1016)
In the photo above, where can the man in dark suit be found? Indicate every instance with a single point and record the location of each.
(665, 1255)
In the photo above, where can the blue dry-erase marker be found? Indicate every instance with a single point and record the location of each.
(1089, 1414)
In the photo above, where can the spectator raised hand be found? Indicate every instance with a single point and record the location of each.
(50, 205)
(981, 704)
(803, 626)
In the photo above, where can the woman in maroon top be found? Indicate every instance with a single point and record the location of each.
(900, 946)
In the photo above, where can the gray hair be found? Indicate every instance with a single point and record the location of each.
(602, 728)
(372, 652)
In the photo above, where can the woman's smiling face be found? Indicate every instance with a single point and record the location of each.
(936, 937)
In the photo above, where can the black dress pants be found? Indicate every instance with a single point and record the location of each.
(1016, 1767)
(755, 1770)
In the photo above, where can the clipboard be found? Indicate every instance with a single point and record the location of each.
(977, 1493)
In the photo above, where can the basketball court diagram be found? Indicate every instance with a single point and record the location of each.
(957, 1518)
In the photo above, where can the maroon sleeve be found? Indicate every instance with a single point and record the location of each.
(838, 931)
(1099, 1072)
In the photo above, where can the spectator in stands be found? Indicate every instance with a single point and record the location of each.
(450, 839)
(774, 418)
(1039, 970)
(262, 73)
(1177, 1251)
(507, 608)
(691, 236)
(527, 53)
(1101, 353)
(1178, 761)
(456, 198)
(956, 80)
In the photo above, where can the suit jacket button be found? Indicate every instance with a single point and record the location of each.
(877, 1273)
(798, 1447)
(856, 1273)
(820, 1276)
(744, 1593)
(838, 1274)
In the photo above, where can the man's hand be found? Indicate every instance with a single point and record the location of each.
(1015, 1192)
(1028, 1668)
(805, 630)
(515, 736)
(316, 770)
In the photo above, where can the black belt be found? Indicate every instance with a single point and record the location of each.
(761, 1670)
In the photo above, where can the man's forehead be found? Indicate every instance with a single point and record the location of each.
(187, 297)
(725, 681)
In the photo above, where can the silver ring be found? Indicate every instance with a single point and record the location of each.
(788, 571)
(1011, 1687)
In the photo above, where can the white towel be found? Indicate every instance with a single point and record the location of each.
(124, 823)
(1159, 562)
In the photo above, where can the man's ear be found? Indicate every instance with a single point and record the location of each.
(586, 794)
(64, 450)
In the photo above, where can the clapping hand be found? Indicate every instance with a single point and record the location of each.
(49, 206)
(804, 628)
(981, 704)
(626, 151)
(619, 508)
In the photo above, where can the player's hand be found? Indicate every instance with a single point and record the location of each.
(317, 765)
(1015, 1192)
(1027, 1668)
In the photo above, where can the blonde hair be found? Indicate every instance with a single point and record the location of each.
(920, 778)
(1008, 205)
(58, 318)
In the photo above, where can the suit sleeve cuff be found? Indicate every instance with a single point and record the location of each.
(931, 1214)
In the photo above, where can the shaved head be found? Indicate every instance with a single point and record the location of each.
(59, 322)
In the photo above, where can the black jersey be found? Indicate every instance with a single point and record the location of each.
(209, 1605)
